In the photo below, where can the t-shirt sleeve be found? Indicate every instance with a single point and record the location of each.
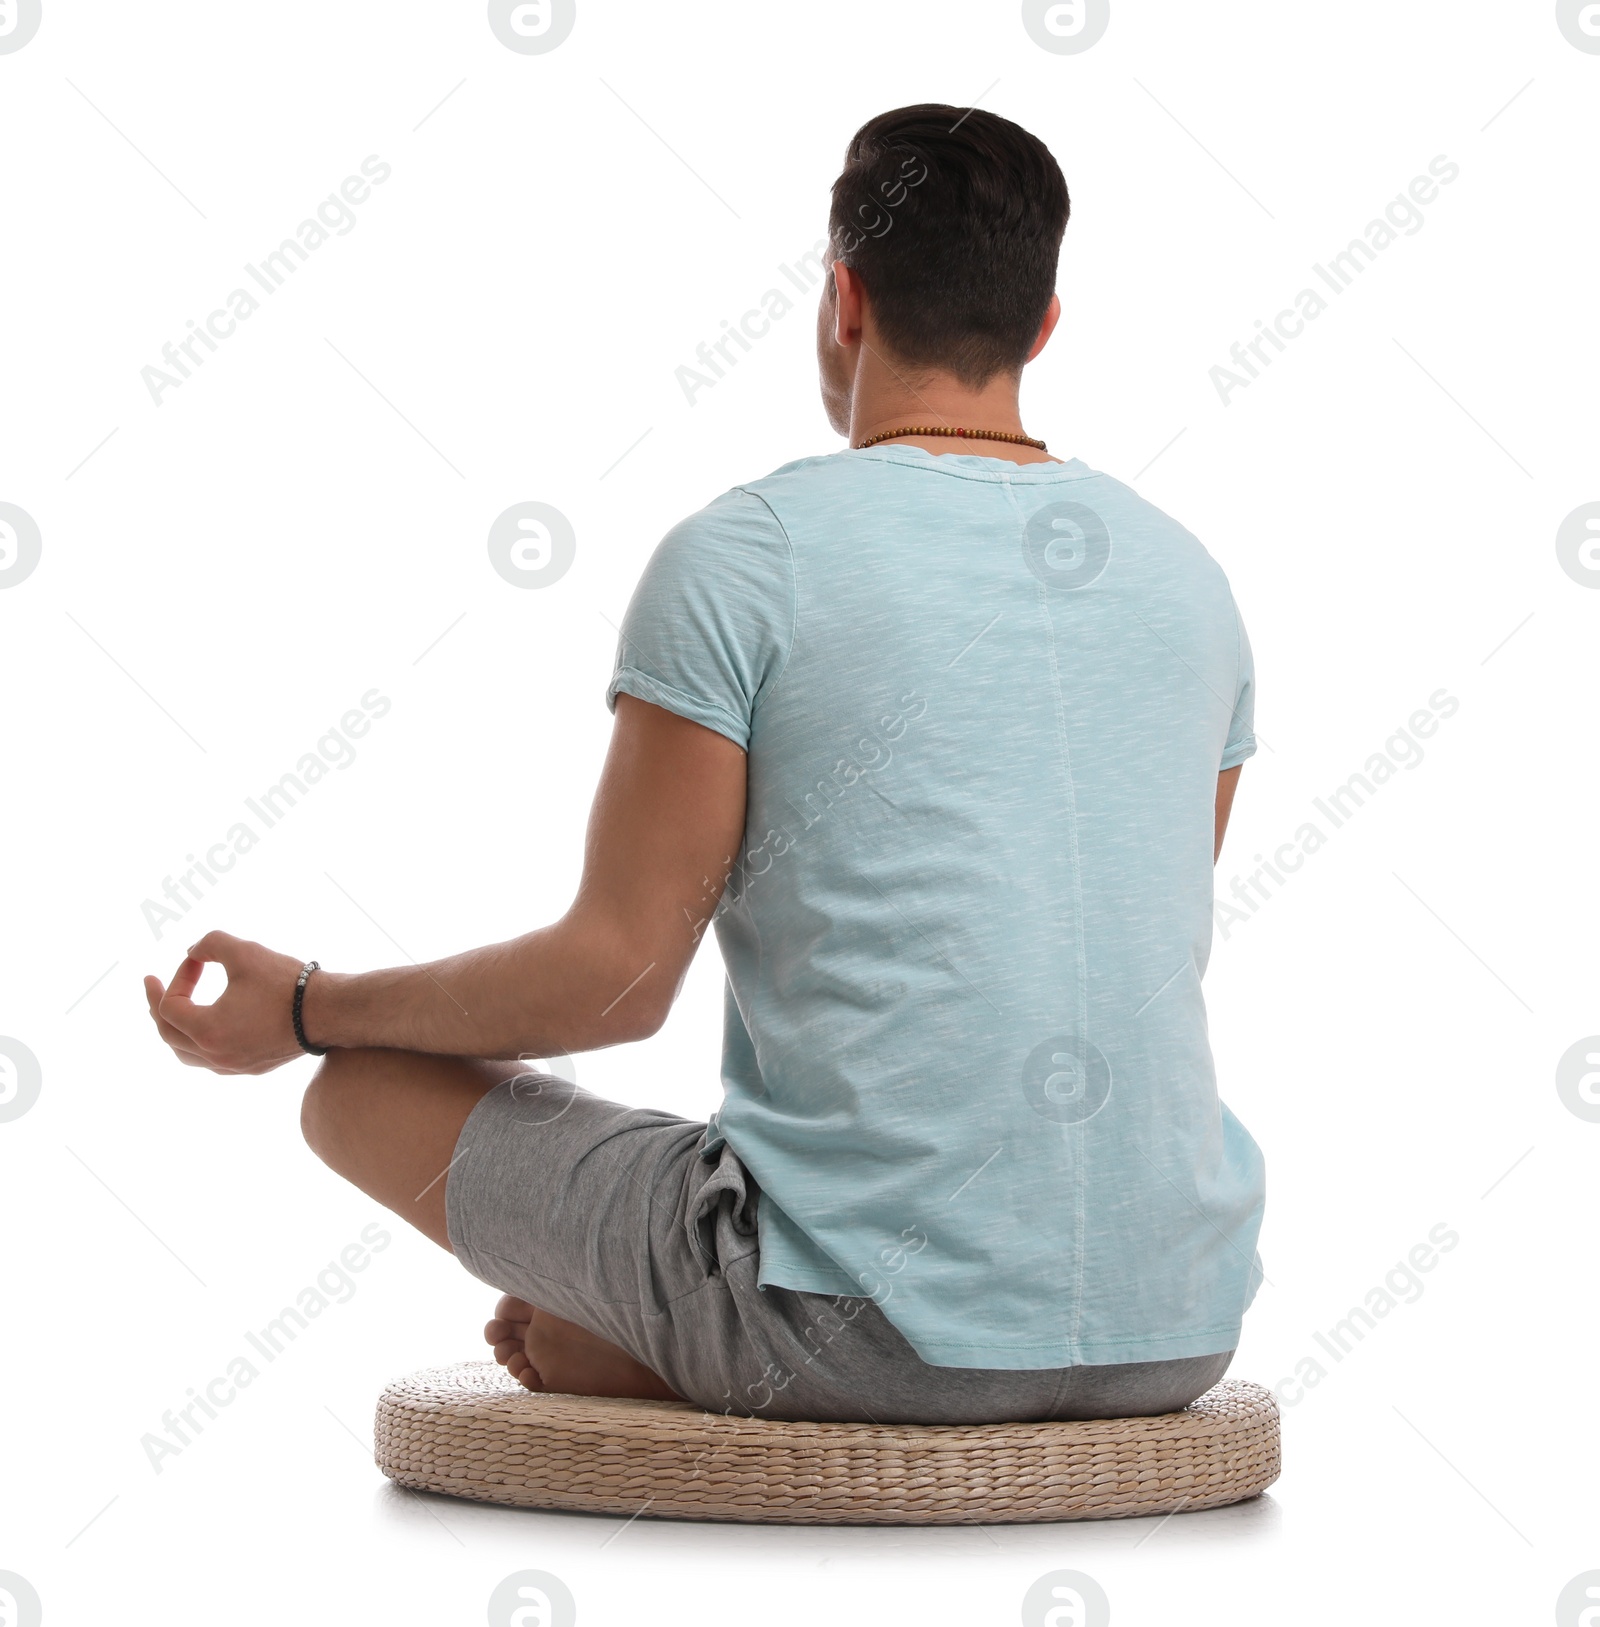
(710, 625)
(1241, 741)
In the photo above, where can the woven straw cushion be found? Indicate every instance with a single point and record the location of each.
(472, 1431)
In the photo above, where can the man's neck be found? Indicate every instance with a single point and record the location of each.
(887, 398)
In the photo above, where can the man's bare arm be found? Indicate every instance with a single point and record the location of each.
(667, 817)
(1227, 784)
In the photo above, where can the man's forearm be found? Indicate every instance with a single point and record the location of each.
(565, 988)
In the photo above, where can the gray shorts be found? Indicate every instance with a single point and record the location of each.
(608, 1216)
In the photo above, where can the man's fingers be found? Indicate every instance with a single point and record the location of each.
(218, 946)
(187, 977)
(157, 997)
(221, 947)
(175, 1037)
(182, 1047)
(182, 1014)
(182, 1044)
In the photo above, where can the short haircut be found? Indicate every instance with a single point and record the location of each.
(953, 220)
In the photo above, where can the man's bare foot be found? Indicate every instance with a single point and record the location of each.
(542, 1352)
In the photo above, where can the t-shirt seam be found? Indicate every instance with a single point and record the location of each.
(1075, 1144)
(1090, 1343)
(769, 689)
(984, 476)
(1230, 745)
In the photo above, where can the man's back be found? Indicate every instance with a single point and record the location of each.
(985, 706)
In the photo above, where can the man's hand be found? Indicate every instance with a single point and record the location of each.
(249, 1029)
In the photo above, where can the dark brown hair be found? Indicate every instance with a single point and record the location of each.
(953, 221)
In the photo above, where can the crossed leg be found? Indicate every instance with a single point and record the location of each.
(388, 1122)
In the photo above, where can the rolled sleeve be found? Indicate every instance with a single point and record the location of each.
(708, 630)
(1241, 741)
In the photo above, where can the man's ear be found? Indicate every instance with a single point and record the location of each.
(847, 293)
(1052, 315)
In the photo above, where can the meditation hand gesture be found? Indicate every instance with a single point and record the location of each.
(248, 1029)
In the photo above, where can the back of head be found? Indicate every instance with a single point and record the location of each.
(953, 221)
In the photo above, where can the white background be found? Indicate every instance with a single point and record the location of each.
(305, 520)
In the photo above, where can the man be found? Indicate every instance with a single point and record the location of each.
(940, 732)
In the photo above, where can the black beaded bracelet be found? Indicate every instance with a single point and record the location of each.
(299, 1000)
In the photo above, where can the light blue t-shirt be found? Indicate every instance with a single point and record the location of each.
(985, 706)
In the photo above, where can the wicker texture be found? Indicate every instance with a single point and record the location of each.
(472, 1431)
